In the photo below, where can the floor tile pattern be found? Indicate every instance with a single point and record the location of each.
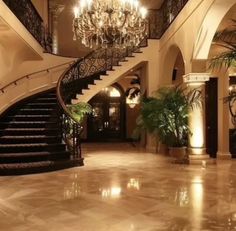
(122, 188)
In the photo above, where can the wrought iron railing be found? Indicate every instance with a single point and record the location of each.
(160, 20)
(77, 77)
(25, 11)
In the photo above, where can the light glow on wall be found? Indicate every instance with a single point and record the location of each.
(197, 128)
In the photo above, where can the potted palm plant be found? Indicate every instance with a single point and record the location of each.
(166, 116)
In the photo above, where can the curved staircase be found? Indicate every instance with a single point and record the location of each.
(39, 134)
(31, 138)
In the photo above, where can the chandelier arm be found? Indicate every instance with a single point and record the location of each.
(91, 20)
(125, 20)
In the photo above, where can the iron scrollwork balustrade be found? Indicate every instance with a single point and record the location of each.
(160, 20)
(97, 62)
(71, 131)
(25, 11)
(77, 77)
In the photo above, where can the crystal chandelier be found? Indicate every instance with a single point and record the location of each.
(109, 23)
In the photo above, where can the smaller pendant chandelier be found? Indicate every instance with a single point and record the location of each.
(109, 23)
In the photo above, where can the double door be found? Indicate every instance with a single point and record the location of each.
(106, 121)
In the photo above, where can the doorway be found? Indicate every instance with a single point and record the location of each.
(106, 123)
(211, 102)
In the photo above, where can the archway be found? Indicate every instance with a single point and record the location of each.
(211, 22)
(174, 67)
(178, 70)
(217, 113)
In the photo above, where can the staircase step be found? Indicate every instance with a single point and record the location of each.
(27, 124)
(35, 111)
(30, 131)
(33, 156)
(40, 105)
(31, 147)
(30, 117)
(38, 167)
(45, 100)
(29, 139)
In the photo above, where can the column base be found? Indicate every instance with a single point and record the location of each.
(199, 156)
(203, 159)
(223, 156)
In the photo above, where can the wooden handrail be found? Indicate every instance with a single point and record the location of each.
(59, 97)
(34, 73)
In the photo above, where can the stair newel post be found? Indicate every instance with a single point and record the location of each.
(106, 60)
(74, 140)
(112, 60)
(62, 124)
(78, 146)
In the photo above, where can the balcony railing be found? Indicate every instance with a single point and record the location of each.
(25, 11)
(160, 20)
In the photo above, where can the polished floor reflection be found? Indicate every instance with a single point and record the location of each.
(122, 188)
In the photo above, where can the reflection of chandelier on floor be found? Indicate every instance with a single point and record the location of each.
(118, 23)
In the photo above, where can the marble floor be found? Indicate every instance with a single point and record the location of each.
(122, 188)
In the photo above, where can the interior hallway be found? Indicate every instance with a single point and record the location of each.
(120, 188)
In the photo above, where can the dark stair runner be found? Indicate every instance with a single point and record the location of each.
(30, 138)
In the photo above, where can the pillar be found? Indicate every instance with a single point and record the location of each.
(55, 10)
(196, 149)
(223, 116)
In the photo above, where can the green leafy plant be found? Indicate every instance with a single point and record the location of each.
(225, 39)
(166, 114)
(78, 111)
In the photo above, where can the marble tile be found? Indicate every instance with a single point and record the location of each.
(122, 188)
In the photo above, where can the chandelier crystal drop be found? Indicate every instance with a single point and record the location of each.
(109, 23)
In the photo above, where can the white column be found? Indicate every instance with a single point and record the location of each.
(153, 78)
(55, 11)
(196, 149)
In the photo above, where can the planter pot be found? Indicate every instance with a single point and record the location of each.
(179, 153)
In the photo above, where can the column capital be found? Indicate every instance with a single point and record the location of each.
(56, 9)
(196, 77)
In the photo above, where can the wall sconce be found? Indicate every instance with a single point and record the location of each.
(133, 101)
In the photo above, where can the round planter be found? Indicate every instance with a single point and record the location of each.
(178, 152)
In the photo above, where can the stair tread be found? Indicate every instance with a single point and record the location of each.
(29, 129)
(26, 154)
(36, 109)
(30, 116)
(26, 165)
(46, 98)
(45, 103)
(27, 122)
(28, 137)
(29, 145)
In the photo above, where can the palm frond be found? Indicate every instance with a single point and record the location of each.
(226, 59)
(227, 40)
